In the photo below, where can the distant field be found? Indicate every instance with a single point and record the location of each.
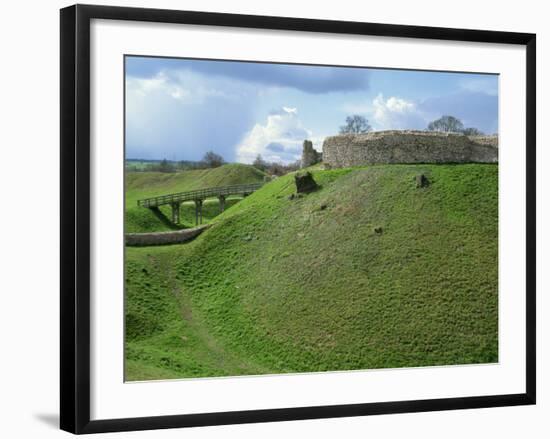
(139, 165)
(279, 285)
(151, 184)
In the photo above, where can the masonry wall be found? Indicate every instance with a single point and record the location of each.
(408, 147)
(160, 238)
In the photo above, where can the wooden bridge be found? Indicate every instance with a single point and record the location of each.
(198, 196)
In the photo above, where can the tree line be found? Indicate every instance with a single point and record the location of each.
(209, 160)
(358, 124)
(213, 160)
(275, 168)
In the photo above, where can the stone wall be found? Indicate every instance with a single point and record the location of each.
(408, 147)
(310, 156)
(485, 140)
(160, 238)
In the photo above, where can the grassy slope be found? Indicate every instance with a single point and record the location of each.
(150, 184)
(279, 285)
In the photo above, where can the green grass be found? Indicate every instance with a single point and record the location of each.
(279, 285)
(151, 184)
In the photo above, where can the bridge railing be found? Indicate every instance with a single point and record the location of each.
(199, 194)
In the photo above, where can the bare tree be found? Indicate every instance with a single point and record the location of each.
(472, 132)
(355, 124)
(446, 124)
(212, 160)
(260, 163)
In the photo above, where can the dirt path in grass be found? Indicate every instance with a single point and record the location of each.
(218, 354)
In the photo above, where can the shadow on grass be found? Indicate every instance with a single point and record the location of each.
(166, 221)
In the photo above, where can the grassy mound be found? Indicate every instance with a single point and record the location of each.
(151, 184)
(367, 272)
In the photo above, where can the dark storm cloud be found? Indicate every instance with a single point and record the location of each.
(309, 79)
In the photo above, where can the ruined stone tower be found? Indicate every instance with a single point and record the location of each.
(309, 155)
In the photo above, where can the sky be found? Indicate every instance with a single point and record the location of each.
(178, 109)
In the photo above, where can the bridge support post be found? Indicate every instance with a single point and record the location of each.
(175, 212)
(222, 202)
(198, 212)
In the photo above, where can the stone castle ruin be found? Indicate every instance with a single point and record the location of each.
(310, 156)
(384, 147)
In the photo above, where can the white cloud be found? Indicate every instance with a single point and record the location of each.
(160, 83)
(171, 83)
(474, 108)
(395, 113)
(279, 140)
(317, 141)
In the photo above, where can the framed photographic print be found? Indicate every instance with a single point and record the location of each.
(268, 218)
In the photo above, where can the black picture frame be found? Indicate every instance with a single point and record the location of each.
(75, 217)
